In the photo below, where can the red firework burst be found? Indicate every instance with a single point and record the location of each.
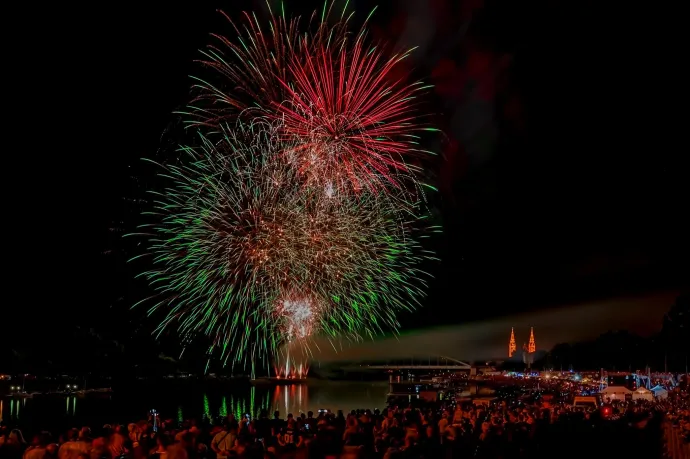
(354, 122)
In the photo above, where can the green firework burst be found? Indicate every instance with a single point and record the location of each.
(245, 253)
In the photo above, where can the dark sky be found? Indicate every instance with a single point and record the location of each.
(557, 186)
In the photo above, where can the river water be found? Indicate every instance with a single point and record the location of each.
(184, 401)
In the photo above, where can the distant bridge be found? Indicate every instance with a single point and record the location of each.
(420, 367)
(442, 363)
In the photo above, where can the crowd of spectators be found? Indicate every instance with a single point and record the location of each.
(677, 409)
(502, 429)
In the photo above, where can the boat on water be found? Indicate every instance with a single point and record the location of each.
(68, 390)
(74, 393)
(21, 394)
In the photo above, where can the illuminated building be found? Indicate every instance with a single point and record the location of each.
(532, 347)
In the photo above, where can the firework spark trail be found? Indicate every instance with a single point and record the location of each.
(249, 69)
(300, 314)
(244, 77)
(244, 253)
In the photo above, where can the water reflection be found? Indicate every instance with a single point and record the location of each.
(207, 408)
(224, 407)
(16, 406)
(71, 403)
(292, 398)
(57, 413)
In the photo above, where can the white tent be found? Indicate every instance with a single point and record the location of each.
(642, 393)
(615, 393)
(660, 392)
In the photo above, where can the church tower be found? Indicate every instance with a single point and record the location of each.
(512, 347)
(532, 347)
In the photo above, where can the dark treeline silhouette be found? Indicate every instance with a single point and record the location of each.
(624, 351)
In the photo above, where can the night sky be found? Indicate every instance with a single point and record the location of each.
(557, 187)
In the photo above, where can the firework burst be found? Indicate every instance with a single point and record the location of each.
(277, 229)
(352, 123)
(248, 255)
